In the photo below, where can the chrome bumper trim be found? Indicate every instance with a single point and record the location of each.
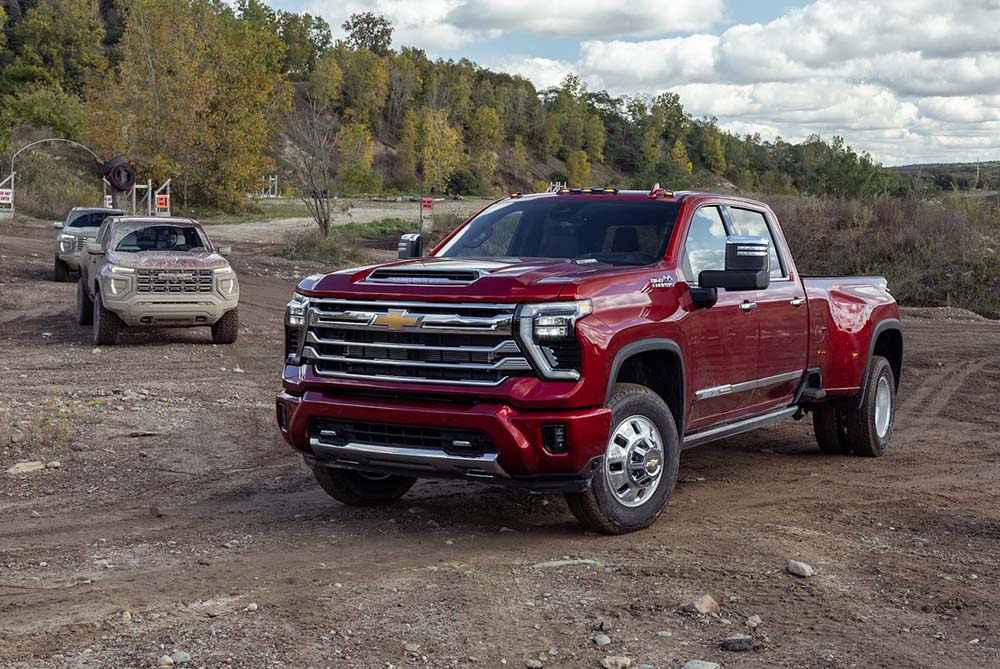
(357, 456)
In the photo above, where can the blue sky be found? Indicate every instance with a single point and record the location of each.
(907, 80)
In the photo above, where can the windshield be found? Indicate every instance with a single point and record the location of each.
(134, 238)
(611, 231)
(90, 219)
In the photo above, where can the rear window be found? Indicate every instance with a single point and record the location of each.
(616, 232)
(91, 219)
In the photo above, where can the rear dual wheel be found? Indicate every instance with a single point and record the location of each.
(864, 430)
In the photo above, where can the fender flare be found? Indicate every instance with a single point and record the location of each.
(882, 327)
(643, 346)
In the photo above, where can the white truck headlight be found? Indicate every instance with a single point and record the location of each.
(295, 313)
(225, 277)
(548, 334)
(66, 243)
(295, 321)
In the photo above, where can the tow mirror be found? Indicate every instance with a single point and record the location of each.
(95, 249)
(411, 245)
(57, 225)
(747, 266)
(225, 250)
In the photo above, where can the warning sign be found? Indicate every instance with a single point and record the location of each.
(427, 203)
(6, 196)
(163, 201)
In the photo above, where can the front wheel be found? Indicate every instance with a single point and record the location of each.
(639, 469)
(362, 488)
(60, 271)
(84, 305)
(224, 330)
(106, 323)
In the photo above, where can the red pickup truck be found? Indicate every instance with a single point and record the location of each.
(576, 342)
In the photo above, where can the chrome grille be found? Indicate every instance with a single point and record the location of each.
(174, 281)
(80, 243)
(421, 342)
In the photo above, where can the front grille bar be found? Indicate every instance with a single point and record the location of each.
(444, 323)
(507, 346)
(504, 364)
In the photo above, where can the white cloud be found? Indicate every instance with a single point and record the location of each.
(588, 18)
(542, 72)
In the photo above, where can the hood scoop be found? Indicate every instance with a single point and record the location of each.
(425, 276)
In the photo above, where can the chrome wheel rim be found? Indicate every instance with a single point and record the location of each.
(633, 464)
(883, 407)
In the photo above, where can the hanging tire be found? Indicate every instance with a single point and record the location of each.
(106, 323)
(355, 488)
(639, 469)
(830, 426)
(226, 329)
(869, 427)
(60, 271)
(84, 305)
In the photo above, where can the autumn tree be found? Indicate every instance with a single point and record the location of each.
(593, 137)
(430, 148)
(368, 31)
(577, 169)
(679, 156)
(483, 138)
(365, 84)
(355, 149)
(198, 97)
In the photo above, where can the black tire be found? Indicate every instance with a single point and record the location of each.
(106, 323)
(862, 423)
(830, 426)
(599, 508)
(84, 305)
(60, 271)
(225, 330)
(362, 489)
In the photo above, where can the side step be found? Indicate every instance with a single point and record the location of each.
(812, 395)
(739, 427)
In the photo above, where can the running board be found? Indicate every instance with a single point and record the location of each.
(739, 427)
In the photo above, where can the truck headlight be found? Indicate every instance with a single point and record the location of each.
(295, 321)
(225, 278)
(548, 334)
(66, 243)
(119, 279)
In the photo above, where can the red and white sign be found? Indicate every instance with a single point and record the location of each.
(109, 202)
(163, 201)
(6, 196)
(427, 203)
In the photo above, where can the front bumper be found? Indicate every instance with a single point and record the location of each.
(517, 457)
(177, 310)
(70, 258)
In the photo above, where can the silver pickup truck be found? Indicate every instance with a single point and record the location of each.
(80, 226)
(156, 272)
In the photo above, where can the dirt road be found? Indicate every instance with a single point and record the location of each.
(178, 521)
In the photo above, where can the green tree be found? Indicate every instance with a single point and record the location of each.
(517, 159)
(43, 107)
(594, 137)
(577, 169)
(366, 84)
(326, 81)
(483, 138)
(430, 148)
(679, 156)
(355, 149)
(306, 39)
(368, 31)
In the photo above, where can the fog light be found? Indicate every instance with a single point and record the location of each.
(554, 438)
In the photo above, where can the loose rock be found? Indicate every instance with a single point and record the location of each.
(602, 639)
(802, 569)
(737, 643)
(567, 563)
(616, 662)
(754, 621)
(180, 657)
(411, 647)
(165, 661)
(664, 634)
(55, 464)
(700, 664)
(703, 604)
(25, 467)
(533, 664)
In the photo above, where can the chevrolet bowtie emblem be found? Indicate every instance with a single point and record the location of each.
(397, 319)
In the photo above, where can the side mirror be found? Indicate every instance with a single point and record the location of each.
(225, 250)
(747, 266)
(57, 225)
(411, 245)
(95, 249)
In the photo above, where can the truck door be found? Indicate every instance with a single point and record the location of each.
(782, 317)
(722, 339)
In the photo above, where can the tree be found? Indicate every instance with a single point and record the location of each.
(366, 84)
(199, 95)
(430, 148)
(306, 39)
(593, 137)
(326, 81)
(43, 107)
(355, 159)
(679, 156)
(483, 138)
(403, 88)
(577, 169)
(368, 31)
(3, 28)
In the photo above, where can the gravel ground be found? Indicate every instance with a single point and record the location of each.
(167, 518)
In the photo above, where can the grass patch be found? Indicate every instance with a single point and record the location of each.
(346, 242)
(256, 211)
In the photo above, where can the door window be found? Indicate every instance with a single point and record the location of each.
(754, 224)
(705, 247)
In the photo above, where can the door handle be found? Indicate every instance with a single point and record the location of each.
(798, 301)
(748, 307)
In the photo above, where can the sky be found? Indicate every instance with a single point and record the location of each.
(910, 81)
